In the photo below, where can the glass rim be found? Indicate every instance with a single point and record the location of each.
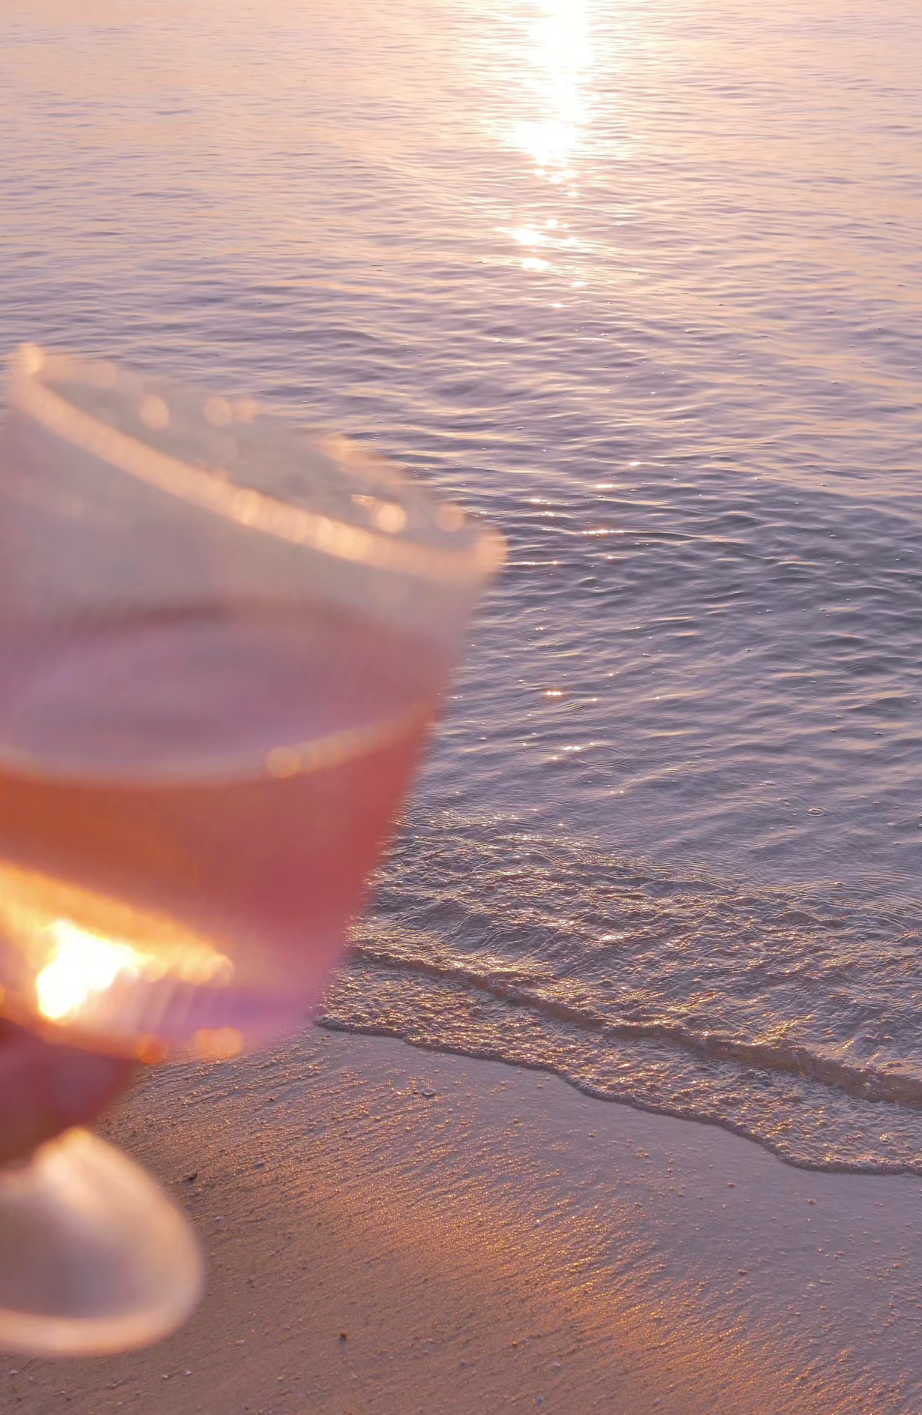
(471, 563)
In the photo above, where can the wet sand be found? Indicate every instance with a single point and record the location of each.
(397, 1231)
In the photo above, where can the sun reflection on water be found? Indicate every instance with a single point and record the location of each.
(560, 57)
(555, 61)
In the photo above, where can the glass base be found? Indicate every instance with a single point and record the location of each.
(94, 1258)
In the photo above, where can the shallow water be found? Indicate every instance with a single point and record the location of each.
(642, 285)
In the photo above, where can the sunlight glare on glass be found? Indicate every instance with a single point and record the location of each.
(82, 965)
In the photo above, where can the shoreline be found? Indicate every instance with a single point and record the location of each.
(396, 1230)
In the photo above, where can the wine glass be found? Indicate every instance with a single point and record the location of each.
(223, 641)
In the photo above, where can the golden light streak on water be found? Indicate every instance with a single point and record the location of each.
(553, 66)
(560, 58)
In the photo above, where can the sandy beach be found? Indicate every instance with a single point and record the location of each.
(392, 1230)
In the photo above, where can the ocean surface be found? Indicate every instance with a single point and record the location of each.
(642, 283)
